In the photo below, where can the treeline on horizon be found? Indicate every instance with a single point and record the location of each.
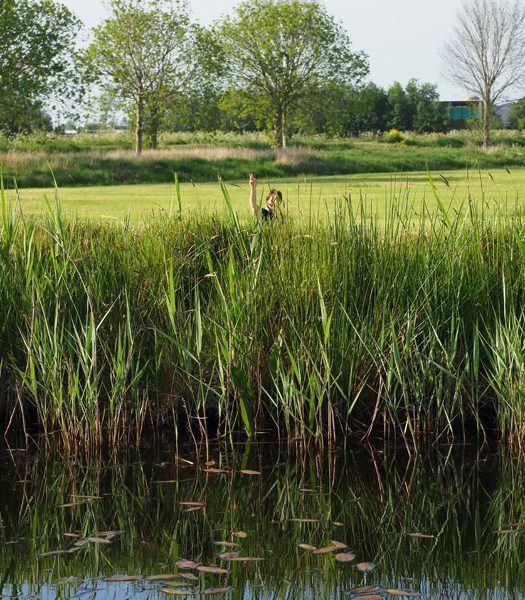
(284, 68)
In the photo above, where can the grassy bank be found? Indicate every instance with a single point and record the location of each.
(108, 160)
(305, 198)
(113, 331)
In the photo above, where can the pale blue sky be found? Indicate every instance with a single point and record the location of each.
(401, 37)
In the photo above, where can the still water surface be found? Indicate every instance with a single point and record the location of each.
(448, 523)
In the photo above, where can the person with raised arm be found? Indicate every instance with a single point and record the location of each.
(273, 198)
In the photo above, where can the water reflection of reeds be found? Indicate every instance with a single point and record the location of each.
(373, 502)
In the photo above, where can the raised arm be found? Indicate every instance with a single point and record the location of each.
(253, 196)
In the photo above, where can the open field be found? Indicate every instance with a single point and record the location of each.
(305, 197)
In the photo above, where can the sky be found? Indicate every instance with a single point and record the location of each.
(402, 38)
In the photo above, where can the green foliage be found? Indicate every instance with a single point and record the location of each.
(145, 54)
(285, 51)
(37, 62)
(225, 325)
(103, 159)
(517, 115)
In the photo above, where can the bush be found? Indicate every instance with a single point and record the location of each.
(394, 137)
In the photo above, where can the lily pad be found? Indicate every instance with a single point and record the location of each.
(366, 567)
(344, 557)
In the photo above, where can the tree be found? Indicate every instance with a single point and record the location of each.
(517, 115)
(37, 69)
(143, 51)
(400, 111)
(285, 49)
(486, 53)
(427, 113)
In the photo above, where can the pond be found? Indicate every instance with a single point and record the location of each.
(264, 521)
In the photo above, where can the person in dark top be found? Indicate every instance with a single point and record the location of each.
(272, 199)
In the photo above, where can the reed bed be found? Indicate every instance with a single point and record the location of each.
(114, 333)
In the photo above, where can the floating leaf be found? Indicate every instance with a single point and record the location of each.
(186, 564)
(210, 463)
(121, 578)
(98, 540)
(52, 553)
(366, 589)
(192, 509)
(366, 567)
(304, 520)
(163, 577)
(396, 592)
(191, 503)
(175, 592)
(249, 472)
(327, 549)
(189, 576)
(344, 557)
(245, 559)
(226, 544)
(500, 531)
(87, 498)
(219, 570)
(229, 555)
(421, 535)
(338, 524)
(214, 471)
(107, 534)
(214, 591)
(307, 547)
(339, 544)
(241, 534)
(368, 597)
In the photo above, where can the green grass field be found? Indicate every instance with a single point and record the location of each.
(305, 197)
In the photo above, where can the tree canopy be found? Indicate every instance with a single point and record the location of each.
(37, 51)
(285, 50)
(145, 53)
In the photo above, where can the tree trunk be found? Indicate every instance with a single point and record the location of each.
(283, 129)
(139, 128)
(486, 122)
(154, 138)
(278, 128)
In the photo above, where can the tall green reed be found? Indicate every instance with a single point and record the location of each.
(211, 325)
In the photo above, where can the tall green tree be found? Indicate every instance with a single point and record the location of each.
(287, 49)
(517, 115)
(37, 62)
(426, 112)
(143, 52)
(400, 112)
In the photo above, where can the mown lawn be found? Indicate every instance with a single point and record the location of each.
(305, 197)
